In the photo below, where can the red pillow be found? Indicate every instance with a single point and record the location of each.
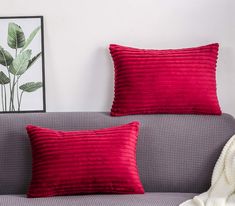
(84, 162)
(180, 81)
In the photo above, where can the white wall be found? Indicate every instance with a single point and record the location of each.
(79, 73)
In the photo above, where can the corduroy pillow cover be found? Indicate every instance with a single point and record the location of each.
(177, 81)
(84, 162)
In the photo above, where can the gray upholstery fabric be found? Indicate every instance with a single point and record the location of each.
(148, 199)
(175, 153)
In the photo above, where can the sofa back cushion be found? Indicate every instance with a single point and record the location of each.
(175, 153)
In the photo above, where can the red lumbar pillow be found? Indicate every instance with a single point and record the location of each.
(84, 162)
(165, 81)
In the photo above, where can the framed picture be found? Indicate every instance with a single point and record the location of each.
(22, 76)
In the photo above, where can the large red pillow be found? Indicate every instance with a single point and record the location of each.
(180, 81)
(84, 162)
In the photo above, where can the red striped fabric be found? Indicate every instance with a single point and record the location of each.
(84, 162)
(180, 81)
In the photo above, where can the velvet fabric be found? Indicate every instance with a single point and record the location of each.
(84, 162)
(177, 81)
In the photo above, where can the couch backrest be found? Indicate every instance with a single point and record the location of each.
(175, 153)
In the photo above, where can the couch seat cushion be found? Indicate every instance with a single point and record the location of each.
(147, 199)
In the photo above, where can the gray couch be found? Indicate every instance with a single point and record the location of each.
(175, 154)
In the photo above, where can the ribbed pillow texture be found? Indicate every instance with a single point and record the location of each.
(84, 162)
(172, 81)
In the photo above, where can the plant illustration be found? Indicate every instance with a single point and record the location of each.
(15, 66)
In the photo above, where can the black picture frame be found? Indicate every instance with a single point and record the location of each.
(42, 63)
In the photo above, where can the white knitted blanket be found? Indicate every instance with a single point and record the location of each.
(222, 190)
